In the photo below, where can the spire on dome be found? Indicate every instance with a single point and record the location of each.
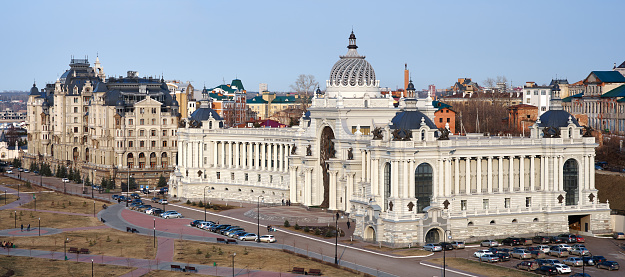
(352, 41)
(352, 53)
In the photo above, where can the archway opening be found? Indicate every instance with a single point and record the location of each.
(370, 234)
(326, 151)
(433, 236)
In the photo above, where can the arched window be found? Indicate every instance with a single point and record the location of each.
(387, 184)
(470, 223)
(131, 160)
(570, 179)
(423, 186)
(492, 222)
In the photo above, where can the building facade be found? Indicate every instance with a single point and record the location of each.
(401, 179)
(109, 128)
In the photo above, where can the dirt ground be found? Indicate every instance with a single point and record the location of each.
(24, 266)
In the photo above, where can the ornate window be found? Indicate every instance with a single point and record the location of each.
(570, 179)
(423, 186)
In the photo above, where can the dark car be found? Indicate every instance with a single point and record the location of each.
(556, 240)
(511, 241)
(115, 196)
(547, 270)
(157, 212)
(579, 274)
(568, 238)
(447, 246)
(541, 240)
(598, 259)
(195, 222)
(135, 196)
(503, 256)
(527, 265)
(609, 265)
(216, 228)
(588, 261)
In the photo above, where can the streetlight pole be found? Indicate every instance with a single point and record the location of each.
(445, 250)
(336, 242)
(205, 201)
(233, 255)
(18, 191)
(65, 247)
(39, 228)
(154, 232)
(91, 267)
(15, 217)
(93, 208)
(258, 216)
(128, 190)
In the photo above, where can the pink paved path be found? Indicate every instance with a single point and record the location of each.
(165, 252)
(85, 228)
(174, 225)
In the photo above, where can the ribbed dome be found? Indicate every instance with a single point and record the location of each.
(352, 69)
(556, 119)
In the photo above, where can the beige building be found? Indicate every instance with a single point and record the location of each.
(267, 104)
(104, 127)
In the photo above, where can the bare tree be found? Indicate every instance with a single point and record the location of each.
(489, 82)
(305, 86)
(501, 79)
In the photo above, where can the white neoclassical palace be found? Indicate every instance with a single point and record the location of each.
(398, 177)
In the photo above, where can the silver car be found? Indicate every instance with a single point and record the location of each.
(581, 251)
(434, 247)
(489, 243)
(573, 261)
(457, 244)
(491, 258)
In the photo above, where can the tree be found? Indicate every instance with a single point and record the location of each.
(162, 181)
(17, 163)
(305, 86)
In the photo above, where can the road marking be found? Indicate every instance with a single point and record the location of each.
(306, 237)
(450, 270)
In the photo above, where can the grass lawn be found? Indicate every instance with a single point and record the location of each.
(50, 220)
(54, 201)
(167, 273)
(484, 269)
(107, 242)
(26, 266)
(9, 198)
(248, 257)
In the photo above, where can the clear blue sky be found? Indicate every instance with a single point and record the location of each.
(275, 41)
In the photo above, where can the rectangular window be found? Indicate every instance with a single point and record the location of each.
(75, 99)
(232, 176)
(463, 205)
(141, 143)
(141, 133)
(164, 121)
(205, 160)
(131, 143)
(153, 133)
(448, 120)
(506, 203)
(75, 129)
(165, 134)
(485, 204)
(130, 133)
(75, 109)
(153, 143)
(218, 175)
(246, 177)
(142, 121)
(165, 145)
(535, 92)
(543, 92)
(270, 178)
(528, 202)
(440, 120)
(259, 177)
(130, 121)
(75, 119)
(365, 130)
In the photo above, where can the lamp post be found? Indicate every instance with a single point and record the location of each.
(93, 208)
(39, 228)
(15, 217)
(205, 201)
(336, 242)
(258, 216)
(445, 250)
(233, 255)
(154, 232)
(5, 197)
(128, 185)
(18, 191)
(35, 197)
(41, 174)
(65, 247)
(91, 267)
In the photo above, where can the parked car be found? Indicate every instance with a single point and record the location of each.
(135, 196)
(237, 234)
(511, 241)
(9, 171)
(171, 214)
(573, 261)
(563, 269)
(216, 228)
(580, 251)
(544, 248)
(609, 265)
(248, 236)
(503, 256)
(538, 254)
(491, 258)
(565, 246)
(458, 244)
(547, 270)
(521, 254)
(143, 207)
(267, 238)
(115, 196)
(230, 231)
(65, 180)
(588, 260)
(598, 259)
(156, 199)
(541, 239)
(26, 170)
(618, 235)
(224, 230)
(580, 238)
(526, 241)
(579, 274)
(496, 250)
(527, 265)
(194, 223)
(205, 225)
(542, 262)
(157, 212)
(568, 238)
(447, 246)
(480, 253)
(434, 247)
(163, 201)
(556, 240)
(489, 243)
(558, 252)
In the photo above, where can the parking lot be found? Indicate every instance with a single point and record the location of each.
(606, 247)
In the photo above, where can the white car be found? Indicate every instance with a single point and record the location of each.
(248, 236)
(480, 253)
(9, 171)
(544, 248)
(489, 243)
(65, 180)
(565, 247)
(562, 268)
(171, 214)
(163, 201)
(267, 238)
(434, 247)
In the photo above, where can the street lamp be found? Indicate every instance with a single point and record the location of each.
(154, 232)
(233, 255)
(336, 242)
(93, 208)
(128, 185)
(39, 228)
(445, 250)
(205, 201)
(65, 247)
(15, 216)
(91, 267)
(258, 216)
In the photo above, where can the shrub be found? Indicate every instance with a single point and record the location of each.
(297, 226)
(306, 229)
(108, 239)
(245, 252)
(208, 255)
(317, 231)
(286, 223)
(198, 251)
(201, 205)
(193, 203)
(188, 202)
(329, 233)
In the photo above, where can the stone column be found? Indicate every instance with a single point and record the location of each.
(363, 164)
(411, 184)
(237, 154)
(274, 154)
(456, 176)
(478, 175)
(560, 173)
(521, 173)
(404, 188)
(533, 173)
(543, 172)
(447, 163)
(263, 156)
(350, 191)
(308, 187)
(202, 165)
(467, 174)
(215, 158)
(223, 154)
(500, 175)
(439, 182)
(592, 172)
(333, 189)
(511, 175)
(293, 184)
(394, 179)
(489, 172)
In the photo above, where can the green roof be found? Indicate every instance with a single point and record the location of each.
(225, 88)
(237, 83)
(218, 97)
(616, 92)
(440, 105)
(284, 99)
(568, 99)
(256, 100)
(609, 76)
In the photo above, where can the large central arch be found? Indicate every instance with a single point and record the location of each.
(326, 151)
